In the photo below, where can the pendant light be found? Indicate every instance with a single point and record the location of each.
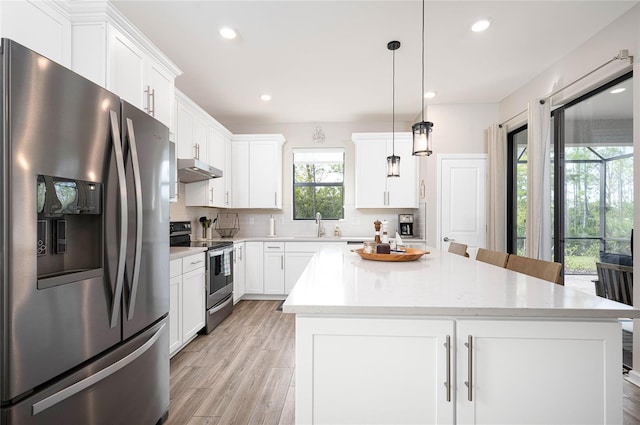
(393, 161)
(422, 130)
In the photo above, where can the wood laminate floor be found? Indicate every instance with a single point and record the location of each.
(243, 372)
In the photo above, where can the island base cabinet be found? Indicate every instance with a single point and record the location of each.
(422, 370)
(538, 372)
(372, 371)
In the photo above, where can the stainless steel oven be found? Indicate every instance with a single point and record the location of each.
(219, 266)
(219, 283)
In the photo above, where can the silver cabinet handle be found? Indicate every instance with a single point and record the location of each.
(469, 382)
(133, 151)
(282, 262)
(226, 197)
(446, 239)
(193, 263)
(240, 253)
(275, 198)
(147, 109)
(211, 195)
(447, 344)
(74, 389)
(153, 102)
(124, 225)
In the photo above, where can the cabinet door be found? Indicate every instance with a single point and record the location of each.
(254, 267)
(371, 173)
(240, 173)
(402, 192)
(274, 273)
(126, 76)
(265, 174)
(227, 172)
(238, 272)
(160, 101)
(372, 371)
(175, 314)
(539, 372)
(216, 158)
(294, 265)
(193, 303)
(39, 26)
(184, 131)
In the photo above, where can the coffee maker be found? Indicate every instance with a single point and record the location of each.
(405, 224)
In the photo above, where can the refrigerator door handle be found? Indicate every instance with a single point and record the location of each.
(138, 189)
(122, 186)
(82, 385)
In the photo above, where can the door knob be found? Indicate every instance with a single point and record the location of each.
(446, 239)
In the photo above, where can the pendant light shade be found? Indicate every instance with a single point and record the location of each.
(393, 166)
(393, 161)
(422, 138)
(422, 130)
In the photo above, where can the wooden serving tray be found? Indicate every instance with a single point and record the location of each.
(411, 254)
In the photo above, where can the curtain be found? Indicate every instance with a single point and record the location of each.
(538, 236)
(497, 188)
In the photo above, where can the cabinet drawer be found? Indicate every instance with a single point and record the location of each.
(273, 246)
(175, 268)
(192, 262)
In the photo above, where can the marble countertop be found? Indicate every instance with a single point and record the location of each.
(338, 281)
(176, 252)
(301, 239)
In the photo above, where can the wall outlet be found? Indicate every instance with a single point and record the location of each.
(281, 220)
(252, 220)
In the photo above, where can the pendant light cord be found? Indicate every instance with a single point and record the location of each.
(422, 93)
(393, 107)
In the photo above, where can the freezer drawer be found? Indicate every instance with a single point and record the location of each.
(129, 385)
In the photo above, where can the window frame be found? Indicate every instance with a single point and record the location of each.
(314, 185)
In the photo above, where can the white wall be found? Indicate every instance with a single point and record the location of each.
(621, 34)
(457, 129)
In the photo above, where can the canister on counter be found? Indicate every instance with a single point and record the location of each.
(369, 247)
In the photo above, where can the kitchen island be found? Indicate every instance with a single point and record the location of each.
(448, 339)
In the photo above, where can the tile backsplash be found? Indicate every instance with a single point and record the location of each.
(255, 223)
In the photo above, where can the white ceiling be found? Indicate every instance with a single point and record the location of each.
(327, 61)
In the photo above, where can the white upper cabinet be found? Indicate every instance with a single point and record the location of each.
(200, 136)
(20, 19)
(373, 188)
(257, 170)
(111, 52)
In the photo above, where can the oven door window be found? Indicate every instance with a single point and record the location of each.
(220, 263)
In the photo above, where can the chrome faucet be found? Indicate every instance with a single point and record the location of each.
(319, 223)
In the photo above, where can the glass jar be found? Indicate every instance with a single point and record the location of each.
(369, 247)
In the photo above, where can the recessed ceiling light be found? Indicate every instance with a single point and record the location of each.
(480, 25)
(228, 33)
(265, 97)
(430, 95)
(618, 90)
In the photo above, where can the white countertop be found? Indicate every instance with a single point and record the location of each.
(300, 239)
(338, 281)
(176, 252)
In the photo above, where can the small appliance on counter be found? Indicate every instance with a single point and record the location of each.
(405, 224)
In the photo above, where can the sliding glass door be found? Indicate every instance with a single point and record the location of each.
(592, 193)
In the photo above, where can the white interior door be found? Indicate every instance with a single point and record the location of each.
(462, 212)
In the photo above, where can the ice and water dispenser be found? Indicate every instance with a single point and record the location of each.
(69, 230)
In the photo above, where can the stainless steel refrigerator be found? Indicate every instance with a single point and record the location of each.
(84, 243)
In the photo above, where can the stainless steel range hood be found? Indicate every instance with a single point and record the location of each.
(194, 170)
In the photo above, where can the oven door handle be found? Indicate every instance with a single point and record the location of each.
(216, 253)
(214, 310)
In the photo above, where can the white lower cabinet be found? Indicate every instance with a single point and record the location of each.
(538, 372)
(294, 265)
(364, 371)
(274, 268)
(401, 371)
(239, 271)
(254, 268)
(186, 300)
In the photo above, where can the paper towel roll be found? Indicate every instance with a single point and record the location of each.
(272, 226)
